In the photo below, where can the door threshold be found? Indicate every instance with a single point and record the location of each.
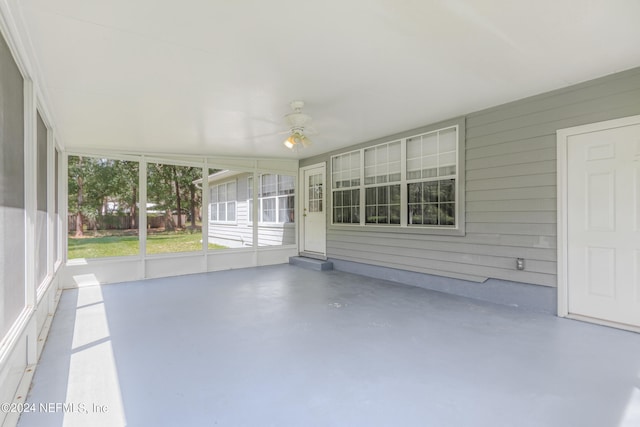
(624, 326)
(313, 255)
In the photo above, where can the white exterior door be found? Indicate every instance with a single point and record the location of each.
(603, 224)
(314, 205)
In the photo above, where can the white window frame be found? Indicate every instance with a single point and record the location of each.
(438, 155)
(347, 174)
(386, 183)
(456, 230)
(225, 203)
(277, 197)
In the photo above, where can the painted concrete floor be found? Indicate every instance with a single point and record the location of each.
(283, 346)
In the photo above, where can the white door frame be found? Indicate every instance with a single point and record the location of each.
(303, 198)
(562, 171)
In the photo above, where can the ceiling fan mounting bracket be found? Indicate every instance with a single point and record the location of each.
(297, 106)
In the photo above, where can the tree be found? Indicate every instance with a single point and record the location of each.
(126, 189)
(76, 196)
(100, 188)
(169, 187)
(174, 174)
(160, 181)
(188, 175)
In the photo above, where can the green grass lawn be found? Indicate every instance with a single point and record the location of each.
(158, 243)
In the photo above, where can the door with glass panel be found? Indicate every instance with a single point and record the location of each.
(314, 216)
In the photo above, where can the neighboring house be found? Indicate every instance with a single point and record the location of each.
(230, 209)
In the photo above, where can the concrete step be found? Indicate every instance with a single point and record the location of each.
(310, 263)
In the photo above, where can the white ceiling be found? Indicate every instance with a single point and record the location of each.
(216, 77)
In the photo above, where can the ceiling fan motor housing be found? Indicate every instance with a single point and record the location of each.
(297, 119)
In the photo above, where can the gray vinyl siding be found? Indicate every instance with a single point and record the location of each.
(276, 235)
(510, 189)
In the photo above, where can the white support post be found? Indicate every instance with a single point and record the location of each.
(142, 214)
(404, 209)
(63, 170)
(205, 211)
(30, 206)
(62, 181)
(256, 207)
(30, 191)
(363, 190)
(50, 203)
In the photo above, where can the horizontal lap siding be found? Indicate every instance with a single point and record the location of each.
(242, 235)
(238, 234)
(476, 258)
(510, 190)
(242, 231)
(277, 235)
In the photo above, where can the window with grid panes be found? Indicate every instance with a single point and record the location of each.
(222, 206)
(286, 198)
(250, 199)
(382, 174)
(267, 193)
(425, 165)
(431, 178)
(345, 173)
(276, 199)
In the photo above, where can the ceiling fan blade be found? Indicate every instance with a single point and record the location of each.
(310, 130)
(269, 135)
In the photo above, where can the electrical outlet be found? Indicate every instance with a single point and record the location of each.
(520, 263)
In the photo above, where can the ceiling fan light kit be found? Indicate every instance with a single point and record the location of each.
(296, 139)
(290, 142)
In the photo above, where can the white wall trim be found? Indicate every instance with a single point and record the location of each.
(8, 29)
(245, 164)
(562, 138)
(561, 211)
(25, 338)
(124, 157)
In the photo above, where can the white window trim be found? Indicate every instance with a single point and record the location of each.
(277, 197)
(364, 186)
(404, 227)
(216, 221)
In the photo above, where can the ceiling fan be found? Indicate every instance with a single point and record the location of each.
(297, 122)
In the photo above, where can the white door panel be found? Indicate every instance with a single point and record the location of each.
(603, 224)
(314, 215)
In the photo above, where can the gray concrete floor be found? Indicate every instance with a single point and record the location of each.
(283, 346)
